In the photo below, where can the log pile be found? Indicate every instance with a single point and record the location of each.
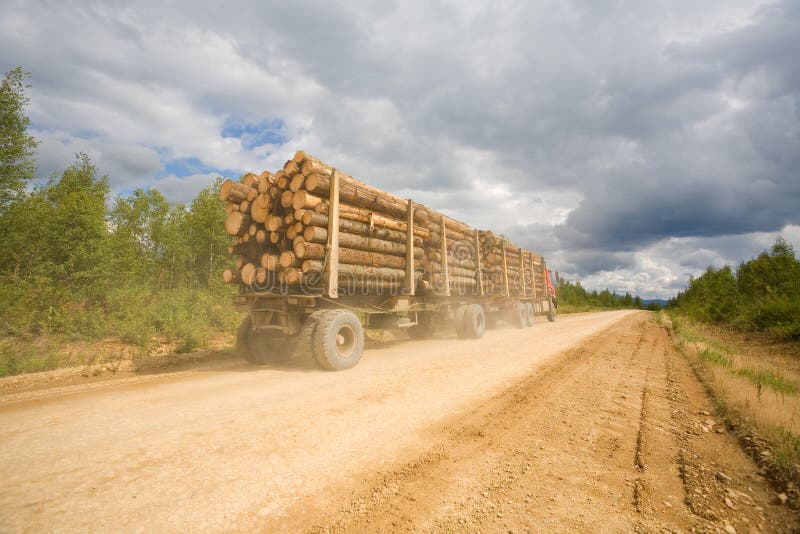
(280, 223)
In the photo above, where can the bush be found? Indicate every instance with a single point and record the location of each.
(763, 294)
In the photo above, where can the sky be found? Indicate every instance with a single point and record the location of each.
(631, 143)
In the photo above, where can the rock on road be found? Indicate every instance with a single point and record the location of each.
(421, 435)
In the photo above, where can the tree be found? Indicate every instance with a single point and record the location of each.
(73, 237)
(17, 148)
(206, 230)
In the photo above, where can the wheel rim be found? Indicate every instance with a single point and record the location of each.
(345, 341)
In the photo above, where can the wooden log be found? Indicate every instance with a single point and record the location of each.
(296, 182)
(359, 271)
(436, 268)
(360, 196)
(283, 182)
(288, 259)
(233, 191)
(252, 229)
(355, 213)
(291, 276)
(251, 195)
(248, 274)
(291, 167)
(291, 233)
(316, 251)
(244, 207)
(236, 223)
(274, 237)
(270, 261)
(265, 180)
(312, 166)
(311, 218)
(259, 209)
(286, 199)
(230, 206)
(316, 234)
(304, 200)
(248, 179)
(229, 276)
(273, 223)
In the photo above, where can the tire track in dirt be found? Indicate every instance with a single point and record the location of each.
(607, 437)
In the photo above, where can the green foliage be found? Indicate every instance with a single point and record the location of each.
(765, 378)
(763, 294)
(573, 297)
(16, 146)
(716, 358)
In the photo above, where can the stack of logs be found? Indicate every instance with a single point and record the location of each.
(510, 270)
(280, 222)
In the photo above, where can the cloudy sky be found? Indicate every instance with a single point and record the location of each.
(632, 143)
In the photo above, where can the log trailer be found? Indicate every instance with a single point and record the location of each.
(320, 257)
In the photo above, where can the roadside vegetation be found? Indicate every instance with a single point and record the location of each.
(573, 298)
(761, 295)
(741, 330)
(77, 264)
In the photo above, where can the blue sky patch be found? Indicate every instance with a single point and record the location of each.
(255, 134)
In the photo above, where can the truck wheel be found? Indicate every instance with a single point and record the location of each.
(520, 316)
(551, 312)
(256, 347)
(303, 346)
(474, 321)
(425, 327)
(338, 340)
(530, 315)
(458, 321)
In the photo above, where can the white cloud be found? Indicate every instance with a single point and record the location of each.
(613, 138)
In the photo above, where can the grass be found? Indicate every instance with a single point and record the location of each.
(750, 382)
(129, 323)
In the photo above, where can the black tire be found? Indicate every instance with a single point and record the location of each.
(474, 321)
(458, 321)
(253, 346)
(520, 316)
(303, 346)
(425, 327)
(338, 340)
(551, 312)
(530, 315)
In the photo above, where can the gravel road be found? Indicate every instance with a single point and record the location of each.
(587, 423)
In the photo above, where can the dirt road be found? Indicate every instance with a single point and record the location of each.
(593, 422)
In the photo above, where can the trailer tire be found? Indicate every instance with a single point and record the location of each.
(425, 327)
(303, 347)
(458, 321)
(520, 315)
(256, 348)
(338, 340)
(474, 321)
(551, 312)
(530, 315)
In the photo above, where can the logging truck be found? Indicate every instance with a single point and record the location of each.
(320, 256)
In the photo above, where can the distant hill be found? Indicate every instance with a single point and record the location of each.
(660, 302)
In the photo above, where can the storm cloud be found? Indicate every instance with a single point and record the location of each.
(631, 143)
